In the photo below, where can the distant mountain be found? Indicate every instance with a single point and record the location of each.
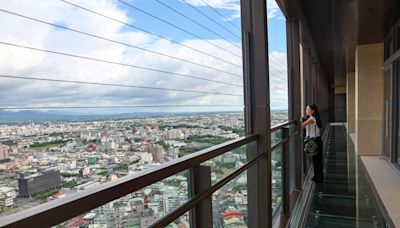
(8, 116)
(39, 116)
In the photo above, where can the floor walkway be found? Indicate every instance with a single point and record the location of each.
(345, 198)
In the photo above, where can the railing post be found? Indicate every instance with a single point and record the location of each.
(286, 171)
(200, 180)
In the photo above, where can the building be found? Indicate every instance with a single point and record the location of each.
(89, 218)
(84, 172)
(173, 134)
(173, 152)
(145, 157)
(157, 151)
(29, 184)
(3, 152)
(170, 203)
(7, 196)
(233, 219)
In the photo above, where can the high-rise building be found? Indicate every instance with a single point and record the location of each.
(3, 152)
(170, 203)
(46, 178)
(173, 134)
(157, 151)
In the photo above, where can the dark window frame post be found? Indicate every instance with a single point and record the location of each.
(293, 49)
(257, 109)
(200, 180)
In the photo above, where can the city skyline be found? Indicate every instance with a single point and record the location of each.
(46, 161)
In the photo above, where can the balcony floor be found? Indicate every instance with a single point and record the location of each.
(345, 198)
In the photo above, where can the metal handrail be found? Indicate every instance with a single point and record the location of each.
(52, 213)
(175, 214)
(282, 125)
(284, 140)
(172, 216)
(281, 142)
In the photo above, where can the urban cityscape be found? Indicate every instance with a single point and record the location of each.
(96, 91)
(48, 160)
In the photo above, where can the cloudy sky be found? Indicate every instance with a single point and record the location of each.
(177, 62)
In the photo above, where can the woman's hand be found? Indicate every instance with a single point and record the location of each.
(307, 122)
(304, 118)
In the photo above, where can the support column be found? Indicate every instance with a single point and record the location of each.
(350, 91)
(257, 110)
(294, 81)
(369, 99)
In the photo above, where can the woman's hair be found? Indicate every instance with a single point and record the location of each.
(316, 114)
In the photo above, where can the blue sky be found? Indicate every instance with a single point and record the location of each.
(277, 26)
(34, 64)
(277, 33)
(165, 13)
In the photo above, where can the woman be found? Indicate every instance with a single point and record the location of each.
(313, 127)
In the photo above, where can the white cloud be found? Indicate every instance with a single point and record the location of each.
(234, 6)
(272, 9)
(231, 5)
(17, 61)
(278, 80)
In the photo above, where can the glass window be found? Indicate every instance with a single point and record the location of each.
(302, 73)
(388, 113)
(105, 89)
(277, 57)
(139, 209)
(182, 221)
(277, 179)
(398, 38)
(230, 204)
(396, 155)
(388, 47)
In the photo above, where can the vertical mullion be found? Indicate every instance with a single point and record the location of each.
(256, 84)
(293, 44)
(395, 111)
(286, 171)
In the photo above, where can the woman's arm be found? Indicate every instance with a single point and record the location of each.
(307, 122)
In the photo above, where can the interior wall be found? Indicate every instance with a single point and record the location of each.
(369, 99)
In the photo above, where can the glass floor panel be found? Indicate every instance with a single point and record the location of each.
(345, 198)
(336, 189)
(320, 220)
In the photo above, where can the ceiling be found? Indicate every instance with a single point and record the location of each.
(337, 26)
